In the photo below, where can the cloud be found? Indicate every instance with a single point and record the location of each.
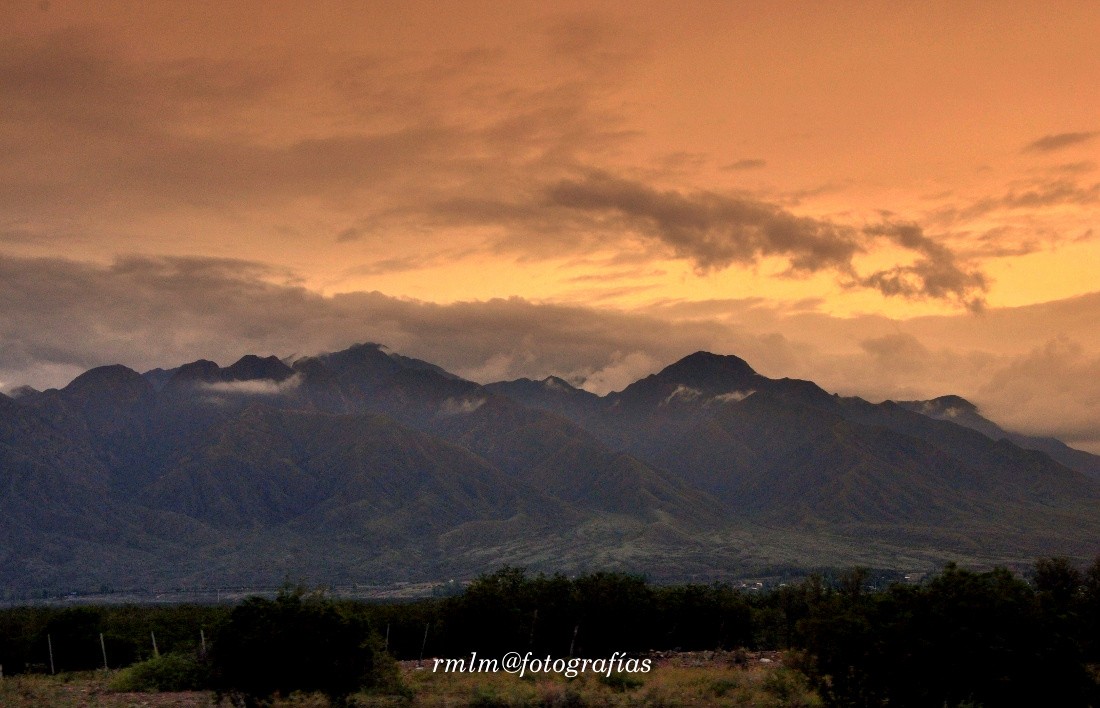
(936, 273)
(68, 315)
(1036, 213)
(617, 370)
(622, 274)
(351, 233)
(898, 352)
(715, 231)
(597, 45)
(711, 230)
(93, 136)
(746, 164)
(1052, 390)
(682, 393)
(1057, 141)
(1078, 167)
(398, 264)
(553, 385)
(732, 396)
(447, 150)
(254, 387)
(1038, 195)
(59, 318)
(453, 406)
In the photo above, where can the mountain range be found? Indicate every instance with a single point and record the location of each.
(365, 466)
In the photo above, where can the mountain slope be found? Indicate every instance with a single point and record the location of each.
(785, 451)
(367, 466)
(962, 412)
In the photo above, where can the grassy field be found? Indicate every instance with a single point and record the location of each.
(697, 679)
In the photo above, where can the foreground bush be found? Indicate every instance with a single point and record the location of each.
(170, 672)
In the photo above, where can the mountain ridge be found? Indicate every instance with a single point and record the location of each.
(368, 466)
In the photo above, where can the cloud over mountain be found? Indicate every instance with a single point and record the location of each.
(160, 312)
(253, 387)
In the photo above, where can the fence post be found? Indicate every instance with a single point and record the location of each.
(423, 644)
(103, 648)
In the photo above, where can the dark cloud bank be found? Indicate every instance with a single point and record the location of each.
(60, 317)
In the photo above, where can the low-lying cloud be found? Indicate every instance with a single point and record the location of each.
(732, 396)
(460, 406)
(682, 393)
(253, 387)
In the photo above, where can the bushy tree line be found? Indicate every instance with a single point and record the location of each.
(27, 634)
(964, 638)
(590, 615)
(961, 638)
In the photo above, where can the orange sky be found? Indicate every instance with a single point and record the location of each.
(725, 170)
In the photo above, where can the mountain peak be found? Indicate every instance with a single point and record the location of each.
(251, 367)
(690, 378)
(555, 383)
(104, 377)
(114, 382)
(952, 401)
(703, 369)
(360, 357)
(942, 407)
(22, 392)
(202, 370)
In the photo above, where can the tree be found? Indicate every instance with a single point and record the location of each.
(1059, 583)
(296, 642)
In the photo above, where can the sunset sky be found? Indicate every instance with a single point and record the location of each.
(895, 200)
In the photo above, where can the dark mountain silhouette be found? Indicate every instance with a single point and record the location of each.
(251, 368)
(962, 412)
(785, 453)
(367, 466)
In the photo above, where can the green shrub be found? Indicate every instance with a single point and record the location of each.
(621, 682)
(787, 686)
(720, 687)
(486, 698)
(169, 672)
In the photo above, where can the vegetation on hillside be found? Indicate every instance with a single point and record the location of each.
(366, 467)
